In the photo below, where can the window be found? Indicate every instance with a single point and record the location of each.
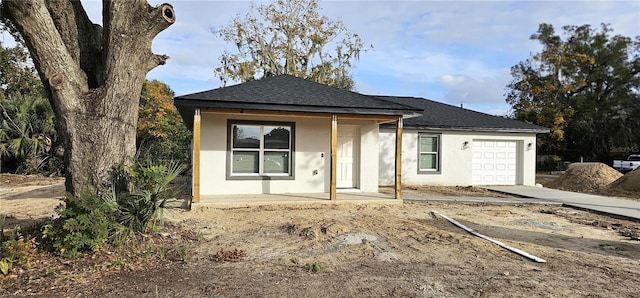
(428, 153)
(260, 149)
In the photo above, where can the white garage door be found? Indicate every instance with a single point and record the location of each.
(494, 162)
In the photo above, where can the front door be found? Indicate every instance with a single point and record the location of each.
(346, 172)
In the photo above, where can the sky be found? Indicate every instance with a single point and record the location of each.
(456, 52)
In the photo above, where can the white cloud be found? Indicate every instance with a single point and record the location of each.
(464, 88)
(454, 51)
(461, 51)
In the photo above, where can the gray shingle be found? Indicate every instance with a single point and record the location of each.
(289, 93)
(297, 93)
(438, 115)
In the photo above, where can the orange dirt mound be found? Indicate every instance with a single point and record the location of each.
(628, 182)
(586, 177)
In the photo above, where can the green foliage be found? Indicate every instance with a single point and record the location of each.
(161, 134)
(551, 163)
(17, 75)
(15, 249)
(5, 266)
(28, 140)
(140, 192)
(181, 253)
(289, 37)
(315, 267)
(584, 86)
(129, 206)
(85, 223)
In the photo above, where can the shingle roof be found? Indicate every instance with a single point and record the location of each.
(289, 93)
(438, 115)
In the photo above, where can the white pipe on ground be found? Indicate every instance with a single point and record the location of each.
(518, 251)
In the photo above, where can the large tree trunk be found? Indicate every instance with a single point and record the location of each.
(93, 75)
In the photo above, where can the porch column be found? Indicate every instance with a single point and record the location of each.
(334, 150)
(398, 162)
(195, 190)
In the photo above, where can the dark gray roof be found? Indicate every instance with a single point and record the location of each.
(289, 93)
(440, 116)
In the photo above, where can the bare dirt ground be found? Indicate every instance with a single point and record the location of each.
(597, 178)
(357, 249)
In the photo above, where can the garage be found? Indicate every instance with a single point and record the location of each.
(494, 162)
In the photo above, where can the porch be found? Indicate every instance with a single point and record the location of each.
(246, 200)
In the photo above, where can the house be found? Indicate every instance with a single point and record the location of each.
(284, 134)
(449, 145)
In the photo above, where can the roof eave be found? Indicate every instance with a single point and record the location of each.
(473, 129)
(189, 103)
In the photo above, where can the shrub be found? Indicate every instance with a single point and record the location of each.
(130, 205)
(140, 192)
(85, 224)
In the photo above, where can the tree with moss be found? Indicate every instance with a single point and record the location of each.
(585, 86)
(289, 37)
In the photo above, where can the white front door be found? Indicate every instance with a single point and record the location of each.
(346, 157)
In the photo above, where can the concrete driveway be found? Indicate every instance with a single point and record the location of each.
(619, 207)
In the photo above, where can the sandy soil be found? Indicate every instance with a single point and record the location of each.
(24, 199)
(586, 177)
(597, 178)
(365, 249)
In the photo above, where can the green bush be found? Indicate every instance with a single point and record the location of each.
(140, 192)
(130, 205)
(85, 224)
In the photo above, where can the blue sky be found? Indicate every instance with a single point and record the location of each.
(450, 51)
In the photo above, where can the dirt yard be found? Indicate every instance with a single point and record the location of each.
(359, 249)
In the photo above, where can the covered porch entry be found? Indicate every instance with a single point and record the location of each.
(343, 139)
(329, 142)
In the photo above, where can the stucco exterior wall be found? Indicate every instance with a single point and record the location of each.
(455, 168)
(312, 157)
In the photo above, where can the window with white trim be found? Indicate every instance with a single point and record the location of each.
(428, 153)
(260, 149)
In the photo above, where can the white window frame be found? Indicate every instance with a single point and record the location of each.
(437, 153)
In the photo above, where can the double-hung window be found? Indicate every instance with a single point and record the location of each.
(260, 149)
(428, 153)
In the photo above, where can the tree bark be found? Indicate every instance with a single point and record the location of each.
(93, 75)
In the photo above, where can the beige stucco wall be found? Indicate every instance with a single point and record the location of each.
(312, 153)
(455, 160)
